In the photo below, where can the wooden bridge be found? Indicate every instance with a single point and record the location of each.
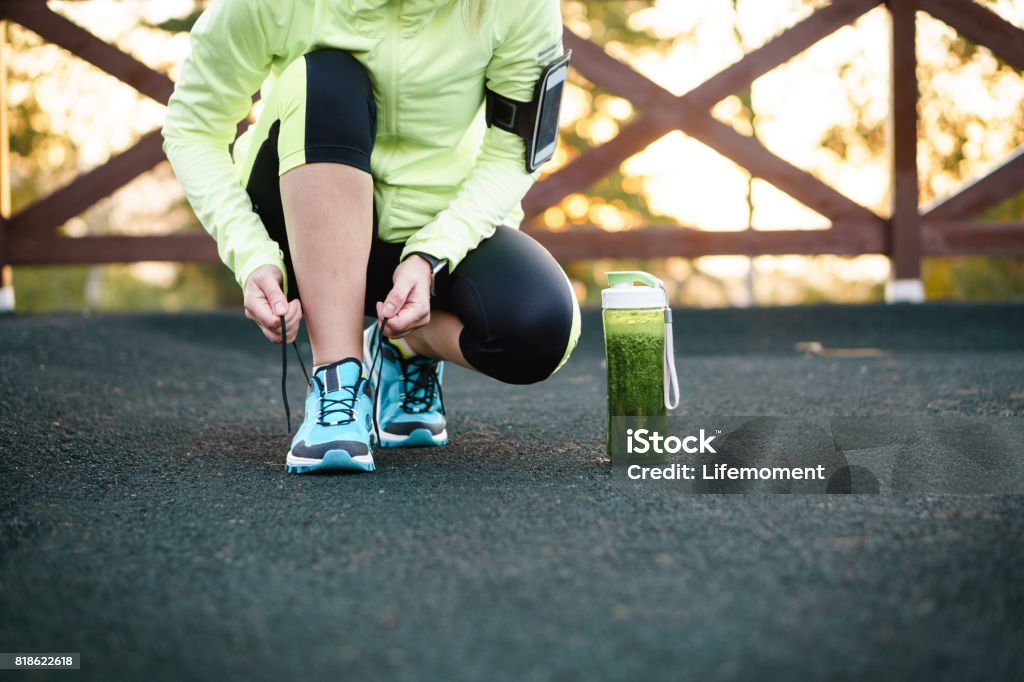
(906, 234)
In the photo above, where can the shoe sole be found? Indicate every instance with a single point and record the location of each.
(334, 460)
(419, 438)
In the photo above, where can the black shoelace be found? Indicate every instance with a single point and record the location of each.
(284, 370)
(419, 383)
(332, 406)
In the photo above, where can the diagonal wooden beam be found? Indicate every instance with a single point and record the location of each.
(595, 163)
(623, 81)
(1002, 183)
(744, 150)
(36, 16)
(85, 190)
(779, 50)
(599, 67)
(752, 155)
(592, 62)
(982, 26)
(660, 106)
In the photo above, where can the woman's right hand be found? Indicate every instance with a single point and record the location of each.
(265, 302)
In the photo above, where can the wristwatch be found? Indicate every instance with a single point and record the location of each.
(436, 265)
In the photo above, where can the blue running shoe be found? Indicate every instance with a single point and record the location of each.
(410, 406)
(335, 431)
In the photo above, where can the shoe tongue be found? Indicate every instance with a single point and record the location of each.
(345, 372)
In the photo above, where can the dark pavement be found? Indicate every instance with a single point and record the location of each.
(147, 521)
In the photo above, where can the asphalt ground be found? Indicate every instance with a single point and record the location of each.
(148, 524)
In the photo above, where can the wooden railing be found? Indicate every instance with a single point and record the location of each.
(910, 232)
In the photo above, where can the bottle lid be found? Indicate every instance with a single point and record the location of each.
(623, 293)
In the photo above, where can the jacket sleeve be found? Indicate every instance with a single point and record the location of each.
(231, 56)
(498, 181)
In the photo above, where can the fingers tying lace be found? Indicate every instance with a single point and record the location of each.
(284, 369)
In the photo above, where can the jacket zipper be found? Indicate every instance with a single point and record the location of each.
(394, 54)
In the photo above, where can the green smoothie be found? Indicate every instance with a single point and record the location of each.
(634, 348)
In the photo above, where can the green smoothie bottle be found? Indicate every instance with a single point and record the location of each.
(640, 360)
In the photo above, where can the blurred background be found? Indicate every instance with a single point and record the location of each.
(826, 111)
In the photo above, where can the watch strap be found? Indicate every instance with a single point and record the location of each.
(436, 266)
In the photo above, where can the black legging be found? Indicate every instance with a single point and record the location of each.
(520, 315)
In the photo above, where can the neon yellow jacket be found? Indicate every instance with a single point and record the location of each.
(442, 179)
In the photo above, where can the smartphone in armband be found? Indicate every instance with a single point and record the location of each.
(535, 121)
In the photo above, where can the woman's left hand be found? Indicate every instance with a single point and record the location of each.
(408, 305)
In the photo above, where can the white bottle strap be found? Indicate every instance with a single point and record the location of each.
(671, 379)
